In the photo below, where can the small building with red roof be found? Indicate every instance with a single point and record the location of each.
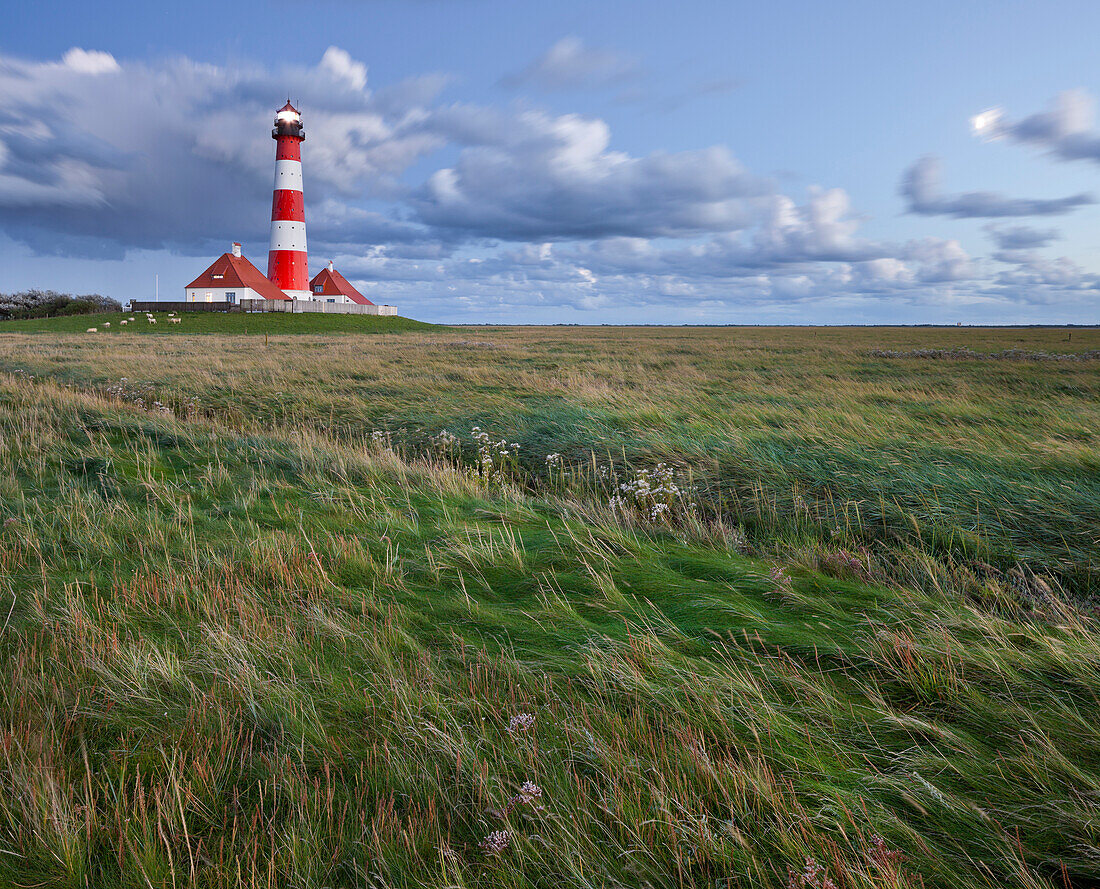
(232, 278)
(330, 286)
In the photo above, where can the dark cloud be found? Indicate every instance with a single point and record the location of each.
(921, 188)
(99, 158)
(1044, 280)
(1022, 237)
(1066, 129)
(1031, 270)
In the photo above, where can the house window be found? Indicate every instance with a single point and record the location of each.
(209, 296)
(231, 296)
(318, 288)
(330, 300)
(217, 276)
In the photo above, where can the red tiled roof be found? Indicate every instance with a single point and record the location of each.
(236, 271)
(332, 283)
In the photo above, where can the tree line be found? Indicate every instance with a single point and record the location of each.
(50, 303)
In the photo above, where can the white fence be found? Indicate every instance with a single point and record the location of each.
(309, 305)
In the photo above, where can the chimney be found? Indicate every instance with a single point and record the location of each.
(236, 249)
(330, 265)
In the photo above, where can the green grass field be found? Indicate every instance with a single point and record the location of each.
(216, 322)
(275, 615)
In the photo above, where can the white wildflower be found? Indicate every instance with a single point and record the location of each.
(520, 722)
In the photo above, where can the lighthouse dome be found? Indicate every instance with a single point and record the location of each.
(288, 122)
(288, 113)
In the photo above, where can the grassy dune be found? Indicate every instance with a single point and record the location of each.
(266, 627)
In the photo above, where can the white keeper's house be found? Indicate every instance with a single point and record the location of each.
(330, 286)
(230, 279)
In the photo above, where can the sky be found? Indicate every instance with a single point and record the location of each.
(579, 161)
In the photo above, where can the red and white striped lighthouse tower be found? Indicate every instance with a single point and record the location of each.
(287, 266)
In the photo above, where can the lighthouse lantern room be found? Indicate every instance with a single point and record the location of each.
(287, 265)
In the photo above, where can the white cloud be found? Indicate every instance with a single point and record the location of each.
(91, 61)
(987, 124)
(542, 176)
(939, 260)
(887, 270)
(342, 67)
(569, 64)
(822, 229)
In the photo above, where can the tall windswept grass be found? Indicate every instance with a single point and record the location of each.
(246, 642)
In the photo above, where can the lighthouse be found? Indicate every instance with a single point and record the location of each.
(287, 266)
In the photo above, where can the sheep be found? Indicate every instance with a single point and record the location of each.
(152, 320)
(174, 320)
(123, 321)
(93, 330)
(133, 319)
(106, 323)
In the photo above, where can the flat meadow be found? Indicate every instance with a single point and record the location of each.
(402, 605)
